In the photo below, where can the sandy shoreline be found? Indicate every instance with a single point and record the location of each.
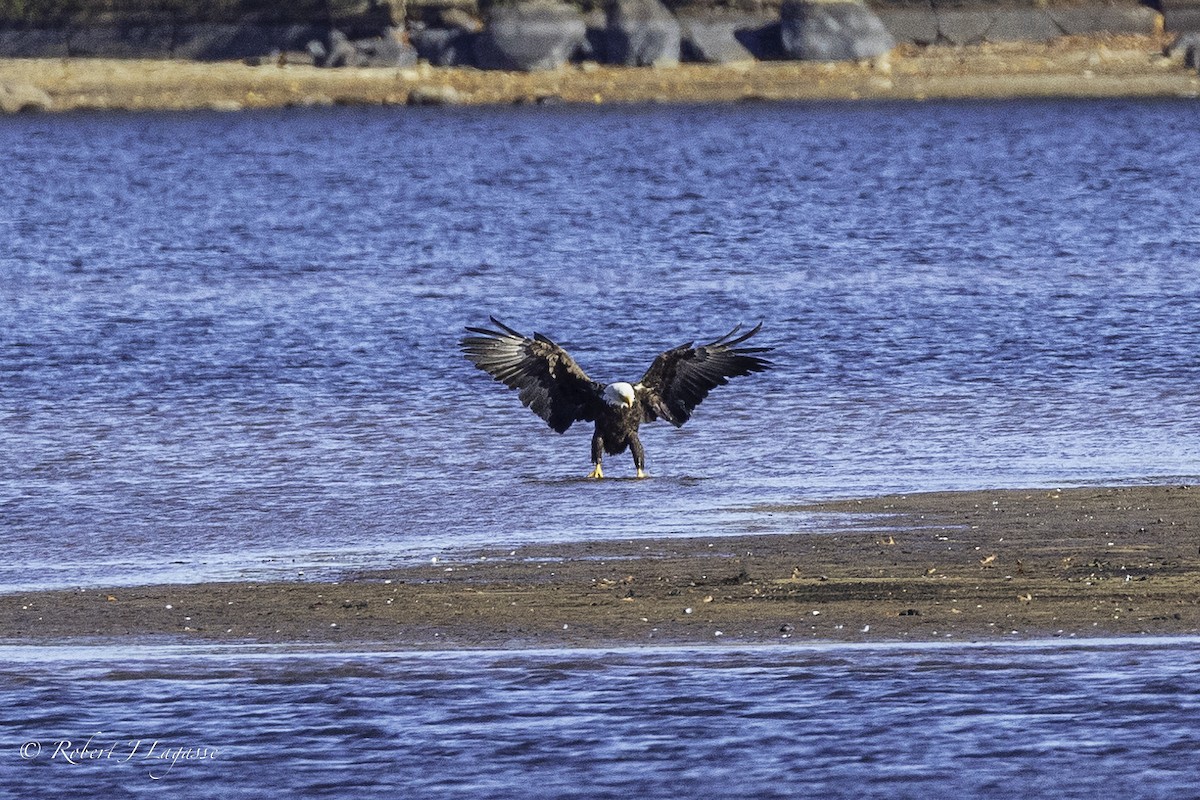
(963, 566)
(1107, 66)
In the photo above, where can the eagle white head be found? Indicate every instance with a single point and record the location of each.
(619, 394)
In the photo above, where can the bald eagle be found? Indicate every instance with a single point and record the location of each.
(555, 388)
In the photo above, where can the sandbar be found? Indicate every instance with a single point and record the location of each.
(961, 566)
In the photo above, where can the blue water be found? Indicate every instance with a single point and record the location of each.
(228, 350)
(1050, 719)
(228, 342)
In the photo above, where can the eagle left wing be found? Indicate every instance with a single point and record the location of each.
(680, 378)
(550, 383)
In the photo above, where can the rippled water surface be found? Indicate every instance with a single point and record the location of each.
(1052, 720)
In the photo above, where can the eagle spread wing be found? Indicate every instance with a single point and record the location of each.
(682, 377)
(551, 384)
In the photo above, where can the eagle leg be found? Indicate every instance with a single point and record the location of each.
(639, 455)
(597, 455)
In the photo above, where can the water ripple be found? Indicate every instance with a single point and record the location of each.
(1072, 718)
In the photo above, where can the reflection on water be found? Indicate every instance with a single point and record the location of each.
(1056, 719)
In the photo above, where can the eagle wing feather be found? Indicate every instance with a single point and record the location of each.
(680, 378)
(548, 380)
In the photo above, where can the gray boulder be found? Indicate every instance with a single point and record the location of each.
(1097, 18)
(443, 47)
(765, 42)
(33, 43)
(459, 19)
(214, 42)
(529, 36)
(844, 30)
(1187, 46)
(389, 50)
(642, 33)
(122, 41)
(964, 26)
(714, 38)
(1179, 15)
(341, 52)
(1023, 25)
(316, 51)
(910, 23)
(594, 44)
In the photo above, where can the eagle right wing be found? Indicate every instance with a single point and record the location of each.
(550, 383)
(680, 378)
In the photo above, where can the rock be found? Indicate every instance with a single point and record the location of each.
(341, 52)
(33, 43)
(765, 42)
(844, 30)
(122, 41)
(642, 33)
(443, 47)
(212, 42)
(594, 45)
(458, 19)
(1180, 15)
(963, 26)
(1187, 47)
(1023, 25)
(714, 38)
(316, 50)
(16, 98)
(917, 24)
(1092, 19)
(433, 96)
(389, 50)
(930, 23)
(529, 36)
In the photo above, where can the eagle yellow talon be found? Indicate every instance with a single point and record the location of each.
(596, 472)
(641, 473)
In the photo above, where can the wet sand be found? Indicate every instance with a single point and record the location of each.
(965, 566)
(1106, 66)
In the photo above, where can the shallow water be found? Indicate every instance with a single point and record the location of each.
(1052, 719)
(228, 342)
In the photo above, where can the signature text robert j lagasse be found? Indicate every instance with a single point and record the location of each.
(160, 758)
